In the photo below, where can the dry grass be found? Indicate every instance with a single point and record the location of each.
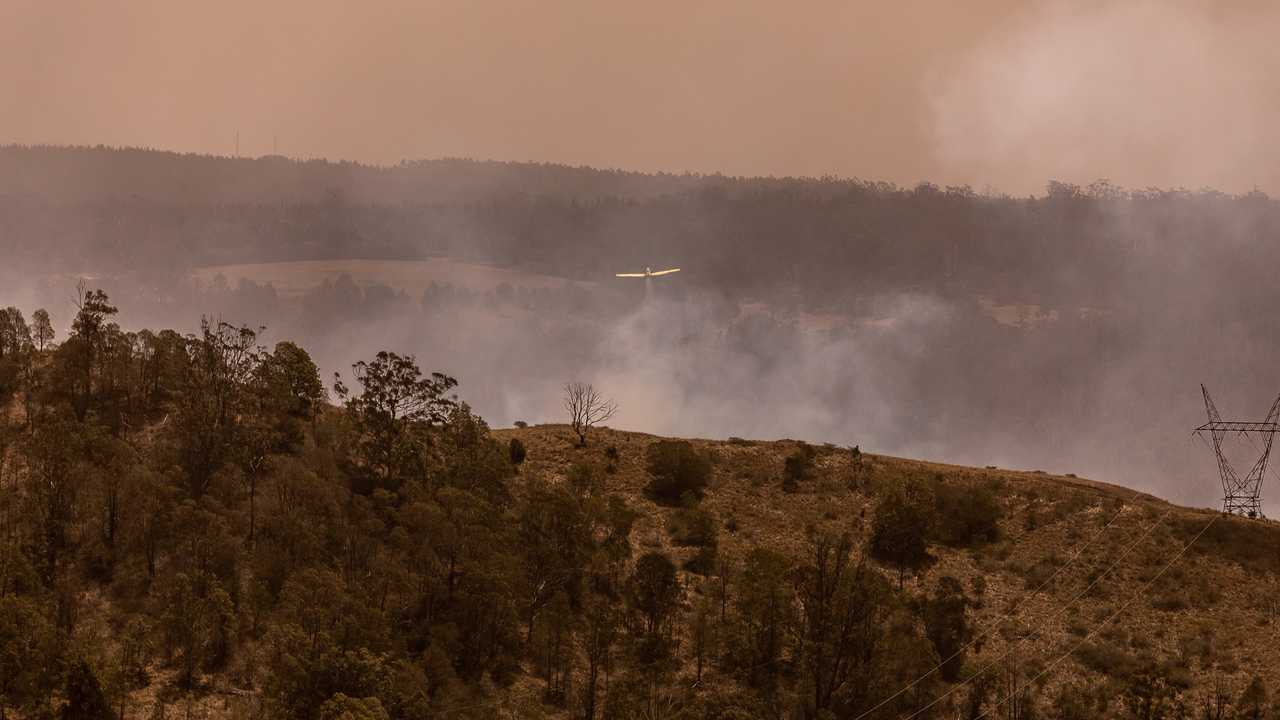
(1227, 585)
(1213, 613)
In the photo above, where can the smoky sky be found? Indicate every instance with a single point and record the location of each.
(997, 94)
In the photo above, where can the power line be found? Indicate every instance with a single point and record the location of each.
(1077, 554)
(1006, 616)
(999, 619)
(1275, 474)
(1053, 617)
(1113, 616)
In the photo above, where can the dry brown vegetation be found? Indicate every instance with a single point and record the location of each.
(1208, 621)
(273, 555)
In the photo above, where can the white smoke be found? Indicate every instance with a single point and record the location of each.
(1142, 93)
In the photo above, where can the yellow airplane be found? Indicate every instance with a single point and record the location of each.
(648, 273)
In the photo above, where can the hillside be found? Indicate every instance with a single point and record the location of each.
(1204, 624)
(192, 524)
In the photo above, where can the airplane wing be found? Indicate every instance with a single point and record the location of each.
(667, 272)
(629, 275)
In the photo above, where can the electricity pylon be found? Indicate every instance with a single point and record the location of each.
(1240, 495)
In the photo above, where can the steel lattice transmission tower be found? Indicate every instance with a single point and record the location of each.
(1240, 495)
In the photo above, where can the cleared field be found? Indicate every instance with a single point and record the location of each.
(413, 276)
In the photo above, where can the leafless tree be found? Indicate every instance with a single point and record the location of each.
(587, 408)
(1216, 701)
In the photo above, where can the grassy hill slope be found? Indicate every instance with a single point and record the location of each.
(1090, 600)
(1207, 623)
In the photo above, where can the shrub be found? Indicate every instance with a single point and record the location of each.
(796, 468)
(516, 451)
(84, 695)
(1200, 647)
(1035, 576)
(903, 521)
(1177, 675)
(731, 523)
(946, 625)
(693, 527)
(967, 516)
(584, 477)
(703, 562)
(135, 652)
(1106, 659)
(1170, 600)
(1073, 703)
(677, 469)
(979, 585)
(654, 590)
(758, 471)
(341, 707)
(1235, 539)
(1253, 702)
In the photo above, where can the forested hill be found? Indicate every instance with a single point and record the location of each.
(191, 526)
(838, 241)
(73, 175)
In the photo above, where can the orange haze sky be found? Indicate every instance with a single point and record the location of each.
(994, 93)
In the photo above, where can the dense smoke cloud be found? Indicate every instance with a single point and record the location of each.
(1066, 332)
(1143, 93)
(677, 369)
(912, 373)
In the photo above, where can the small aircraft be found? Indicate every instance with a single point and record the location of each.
(648, 273)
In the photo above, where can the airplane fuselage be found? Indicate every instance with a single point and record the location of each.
(648, 273)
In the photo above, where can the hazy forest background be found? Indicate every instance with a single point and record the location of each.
(1067, 330)
(198, 517)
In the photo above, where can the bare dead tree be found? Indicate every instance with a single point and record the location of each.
(1216, 701)
(587, 408)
